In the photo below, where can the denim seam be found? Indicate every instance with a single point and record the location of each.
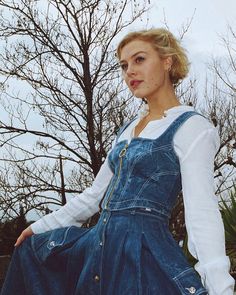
(177, 278)
(146, 183)
(142, 188)
(129, 172)
(164, 173)
(118, 206)
(174, 186)
(131, 168)
(150, 201)
(60, 243)
(35, 251)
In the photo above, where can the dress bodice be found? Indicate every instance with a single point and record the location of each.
(146, 172)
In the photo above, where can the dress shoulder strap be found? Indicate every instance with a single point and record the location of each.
(178, 122)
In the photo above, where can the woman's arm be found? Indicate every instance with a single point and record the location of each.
(80, 208)
(206, 241)
(74, 212)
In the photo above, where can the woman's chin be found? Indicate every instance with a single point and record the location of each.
(138, 94)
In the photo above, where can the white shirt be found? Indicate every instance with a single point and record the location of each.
(196, 143)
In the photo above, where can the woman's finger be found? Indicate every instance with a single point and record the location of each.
(25, 234)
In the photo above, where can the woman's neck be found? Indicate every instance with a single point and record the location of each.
(157, 107)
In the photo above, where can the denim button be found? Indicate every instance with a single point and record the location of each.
(191, 290)
(52, 243)
(96, 278)
(104, 220)
(101, 243)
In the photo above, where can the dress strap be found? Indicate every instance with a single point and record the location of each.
(178, 122)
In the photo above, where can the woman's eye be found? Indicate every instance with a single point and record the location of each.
(139, 59)
(123, 67)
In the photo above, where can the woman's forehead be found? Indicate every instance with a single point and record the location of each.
(134, 47)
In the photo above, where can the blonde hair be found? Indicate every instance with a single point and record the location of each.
(166, 45)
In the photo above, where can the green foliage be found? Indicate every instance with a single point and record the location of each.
(228, 212)
(190, 258)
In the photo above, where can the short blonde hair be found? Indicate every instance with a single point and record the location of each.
(166, 45)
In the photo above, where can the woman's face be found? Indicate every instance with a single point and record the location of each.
(144, 72)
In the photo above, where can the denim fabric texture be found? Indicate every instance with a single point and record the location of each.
(131, 250)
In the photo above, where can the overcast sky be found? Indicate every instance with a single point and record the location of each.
(210, 20)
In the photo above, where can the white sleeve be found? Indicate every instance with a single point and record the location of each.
(80, 208)
(197, 142)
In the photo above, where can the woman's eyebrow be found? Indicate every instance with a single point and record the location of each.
(136, 53)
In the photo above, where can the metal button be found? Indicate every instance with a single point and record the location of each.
(104, 220)
(191, 290)
(96, 278)
(101, 243)
(52, 243)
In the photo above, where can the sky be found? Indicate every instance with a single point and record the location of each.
(210, 19)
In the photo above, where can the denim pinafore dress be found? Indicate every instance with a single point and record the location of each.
(130, 251)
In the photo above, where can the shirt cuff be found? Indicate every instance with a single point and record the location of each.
(215, 276)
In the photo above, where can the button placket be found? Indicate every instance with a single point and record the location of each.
(98, 252)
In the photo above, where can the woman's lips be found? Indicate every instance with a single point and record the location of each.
(135, 83)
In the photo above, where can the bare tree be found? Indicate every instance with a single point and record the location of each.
(61, 96)
(221, 108)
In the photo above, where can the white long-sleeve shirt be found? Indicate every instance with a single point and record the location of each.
(196, 143)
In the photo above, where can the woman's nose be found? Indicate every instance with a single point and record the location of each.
(130, 70)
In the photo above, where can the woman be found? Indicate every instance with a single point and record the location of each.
(130, 251)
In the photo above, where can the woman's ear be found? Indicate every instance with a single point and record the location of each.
(168, 63)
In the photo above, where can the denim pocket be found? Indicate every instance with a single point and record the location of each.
(59, 238)
(47, 244)
(189, 282)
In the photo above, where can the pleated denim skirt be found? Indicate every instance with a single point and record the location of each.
(128, 252)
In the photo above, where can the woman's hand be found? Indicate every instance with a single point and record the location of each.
(25, 234)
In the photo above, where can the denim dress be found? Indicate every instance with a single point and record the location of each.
(130, 251)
